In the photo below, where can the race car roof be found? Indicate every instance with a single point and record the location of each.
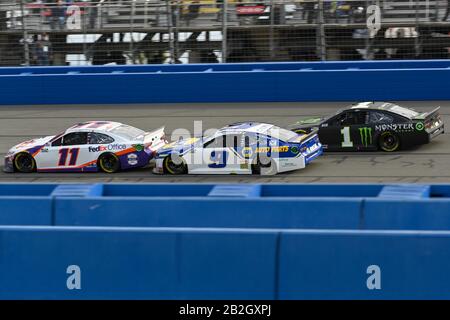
(388, 106)
(256, 127)
(94, 126)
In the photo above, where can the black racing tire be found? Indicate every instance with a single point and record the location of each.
(108, 163)
(389, 141)
(173, 168)
(264, 168)
(24, 162)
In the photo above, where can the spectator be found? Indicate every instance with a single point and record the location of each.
(208, 56)
(447, 12)
(93, 12)
(42, 50)
(175, 10)
(309, 13)
(193, 11)
(58, 16)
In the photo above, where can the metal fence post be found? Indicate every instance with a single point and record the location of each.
(321, 43)
(25, 35)
(83, 26)
(133, 12)
(170, 31)
(272, 20)
(224, 30)
(416, 28)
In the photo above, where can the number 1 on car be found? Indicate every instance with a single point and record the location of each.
(347, 139)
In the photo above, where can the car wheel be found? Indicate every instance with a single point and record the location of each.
(24, 162)
(109, 163)
(265, 168)
(173, 167)
(389, 142)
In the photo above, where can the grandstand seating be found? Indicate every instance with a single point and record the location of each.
(154, 13)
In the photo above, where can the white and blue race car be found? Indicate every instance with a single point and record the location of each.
(240, 148)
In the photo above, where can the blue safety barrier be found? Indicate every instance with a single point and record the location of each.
(287, 206)
(364, 265)
(252, 82)
(224, 241)
(26, 204)
(124, 263)
(218, 213)
(180, 263)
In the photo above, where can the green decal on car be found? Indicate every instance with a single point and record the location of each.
(138, 147)
(366, 136)
(294, 149)
(419, 126)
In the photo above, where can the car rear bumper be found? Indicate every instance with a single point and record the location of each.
(310, 157)
(435, 132)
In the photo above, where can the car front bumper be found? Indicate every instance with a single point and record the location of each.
(8, 167)
(158, 169)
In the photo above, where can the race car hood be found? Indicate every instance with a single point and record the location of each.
(307, 123)
(30, 145)
(180, 146)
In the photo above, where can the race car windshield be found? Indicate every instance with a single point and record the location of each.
(128, 132)
(281, 134)
(402, 111)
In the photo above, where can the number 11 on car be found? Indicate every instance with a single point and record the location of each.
(73, 156)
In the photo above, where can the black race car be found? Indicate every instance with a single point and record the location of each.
(374, 126)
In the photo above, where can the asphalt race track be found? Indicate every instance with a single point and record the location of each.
(427, 163)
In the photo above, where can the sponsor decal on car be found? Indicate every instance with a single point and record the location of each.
(138, 147)
(97, 149)
(273, 149)
(419, 126)
(247, 152)
(244, 165)
(366, 136)
(132, 159)
(109, 147)
(397, 127)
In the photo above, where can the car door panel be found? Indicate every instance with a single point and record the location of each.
(64, 156)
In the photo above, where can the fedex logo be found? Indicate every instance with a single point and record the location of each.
(109, 147)
(97, 149)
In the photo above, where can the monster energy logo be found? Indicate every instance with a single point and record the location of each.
(366, 136)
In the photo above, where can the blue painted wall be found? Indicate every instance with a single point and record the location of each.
(217, 213)
(288, 206)
(271, 82)
(334, 265)
(136, 264)
(148, 263)
(185, 241)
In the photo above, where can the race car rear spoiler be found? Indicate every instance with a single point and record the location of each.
(427, 115)
(155, 137)
(304, 137)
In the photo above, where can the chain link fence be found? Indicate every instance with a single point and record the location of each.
(210, 31)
